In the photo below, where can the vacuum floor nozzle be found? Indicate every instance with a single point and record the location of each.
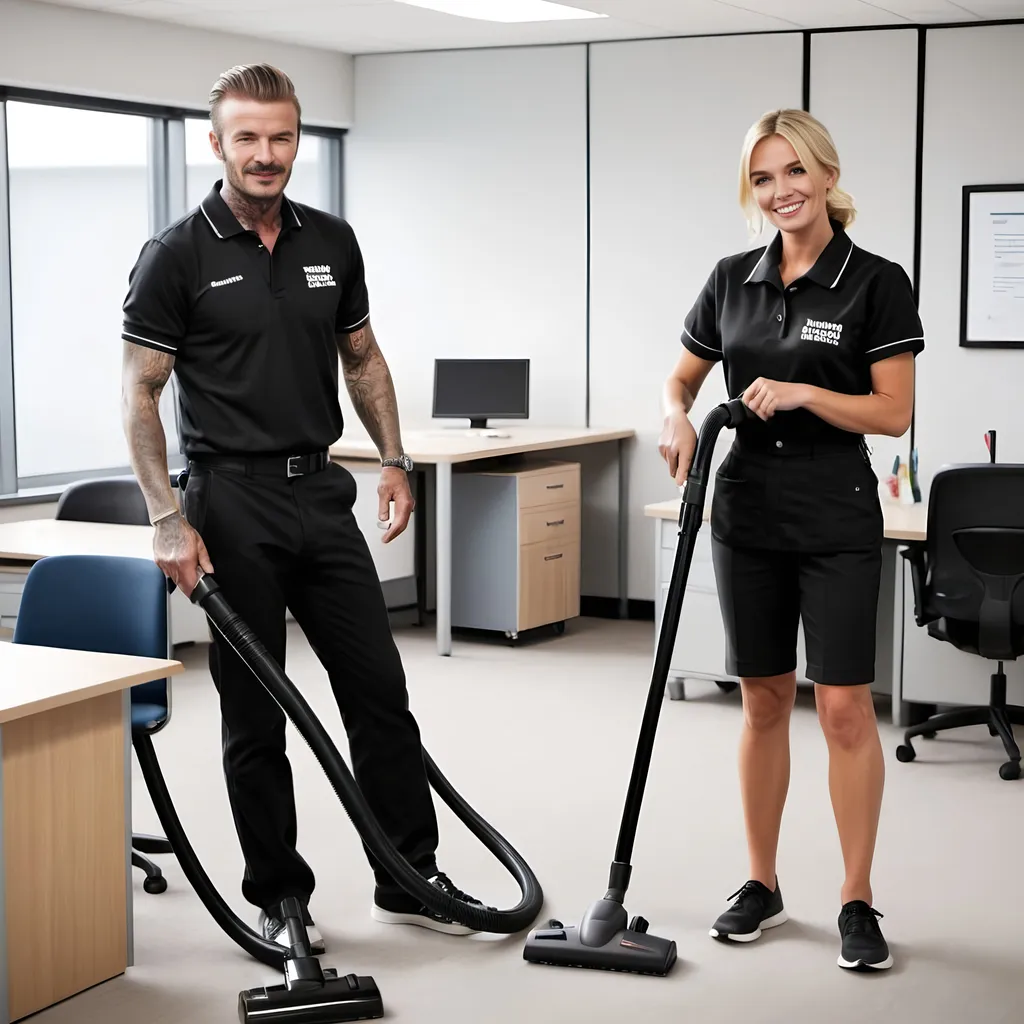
(603, 941)
(335, 1001)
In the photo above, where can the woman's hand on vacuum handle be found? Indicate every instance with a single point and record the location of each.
(180, 552)
(677, 443)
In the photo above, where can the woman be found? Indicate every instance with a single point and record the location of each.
(818, 336)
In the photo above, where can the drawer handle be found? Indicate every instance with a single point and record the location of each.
(554, 487)
(557, 522)
(549, 558)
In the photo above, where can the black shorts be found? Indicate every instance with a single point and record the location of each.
(764, 594)
(797, 533)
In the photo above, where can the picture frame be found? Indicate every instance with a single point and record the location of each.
(992, 266)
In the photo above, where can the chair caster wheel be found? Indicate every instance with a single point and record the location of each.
(905, 752)
(559, 628)
(155, 885)
(639, 924)
(929, 735)
(727, 685)
(1010, 771)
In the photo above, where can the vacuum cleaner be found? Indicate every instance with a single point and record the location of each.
(606, 939)
(311, 994)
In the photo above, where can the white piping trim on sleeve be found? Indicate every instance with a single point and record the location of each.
(889, 344)
(149, 341)
(717, 351)
(357, 324)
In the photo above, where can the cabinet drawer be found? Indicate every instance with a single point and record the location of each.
(555, 487)
(549, 583)
(552, 523)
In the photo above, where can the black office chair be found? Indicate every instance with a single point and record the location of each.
(120, 500)
(967, 591)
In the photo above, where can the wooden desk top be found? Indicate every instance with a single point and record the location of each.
(42, 678)
(902, 522)
(28, 540)
(440, 444)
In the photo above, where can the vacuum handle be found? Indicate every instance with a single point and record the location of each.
(738, 412)
(205, 586)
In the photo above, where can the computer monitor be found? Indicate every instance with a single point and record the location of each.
(476, 389)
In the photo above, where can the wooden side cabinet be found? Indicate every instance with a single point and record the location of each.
(516, 547)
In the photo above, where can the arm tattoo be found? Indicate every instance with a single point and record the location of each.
(371, 389)
(144, 374)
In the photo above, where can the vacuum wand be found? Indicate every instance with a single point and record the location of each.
(606, 938)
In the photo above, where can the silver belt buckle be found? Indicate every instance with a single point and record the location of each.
(292, 472)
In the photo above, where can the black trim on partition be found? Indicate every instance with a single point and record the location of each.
(586, 80)
(807, 71)
(905, 26)
(922, 53)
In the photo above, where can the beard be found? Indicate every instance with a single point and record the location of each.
(253, 191)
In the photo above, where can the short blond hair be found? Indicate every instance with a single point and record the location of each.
(814, 147)
(261, 82)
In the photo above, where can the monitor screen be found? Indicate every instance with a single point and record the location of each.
(478, 389)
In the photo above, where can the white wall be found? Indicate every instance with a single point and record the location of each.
(878, 153)
(973, 135)
(44, 46)
(663, 165)
(466, 186)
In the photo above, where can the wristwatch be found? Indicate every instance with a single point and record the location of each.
(401, 462)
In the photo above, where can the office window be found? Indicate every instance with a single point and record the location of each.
(313, 181)
(79, 209)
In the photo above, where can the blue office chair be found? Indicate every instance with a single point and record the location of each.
(117, 606)
(967, 579)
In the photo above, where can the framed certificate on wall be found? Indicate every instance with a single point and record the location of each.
(992, 267)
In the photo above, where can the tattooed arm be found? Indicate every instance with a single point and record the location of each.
(177, 548)
(369, 384)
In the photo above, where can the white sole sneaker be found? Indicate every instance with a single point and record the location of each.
(769, 922)
(445, 927)
(863, 965)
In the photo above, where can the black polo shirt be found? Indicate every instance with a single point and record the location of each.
(253, 332)
(827, 328)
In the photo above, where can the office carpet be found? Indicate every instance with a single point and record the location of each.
(541, 740)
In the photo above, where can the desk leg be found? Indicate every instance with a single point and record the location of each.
(623, 531)
(443, 543)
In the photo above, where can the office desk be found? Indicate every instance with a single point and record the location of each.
(26, 541)
(699, 651)
(65, 809)
(442, 448)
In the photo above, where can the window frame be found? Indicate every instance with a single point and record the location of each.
(166, 171)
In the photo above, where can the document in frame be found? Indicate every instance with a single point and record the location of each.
(994, 267)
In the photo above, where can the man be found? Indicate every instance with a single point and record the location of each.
(250, 299)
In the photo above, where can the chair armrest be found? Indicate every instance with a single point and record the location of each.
(914, 553)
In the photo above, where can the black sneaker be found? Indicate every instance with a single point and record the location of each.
(864, 948)
(756, 907)
(401, 908)
(274, 930)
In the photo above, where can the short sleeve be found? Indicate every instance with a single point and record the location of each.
(156, 308)
(893, 324)
(353, 302)
(700, 328)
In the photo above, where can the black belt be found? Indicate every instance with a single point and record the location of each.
(799, 446)
(267, 465)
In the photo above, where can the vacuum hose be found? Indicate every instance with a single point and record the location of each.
(250, 649)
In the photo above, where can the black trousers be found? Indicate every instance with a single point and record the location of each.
(278, 543)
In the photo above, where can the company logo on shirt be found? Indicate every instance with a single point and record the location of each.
(319, 276)
(822, 330)
(227, 280)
